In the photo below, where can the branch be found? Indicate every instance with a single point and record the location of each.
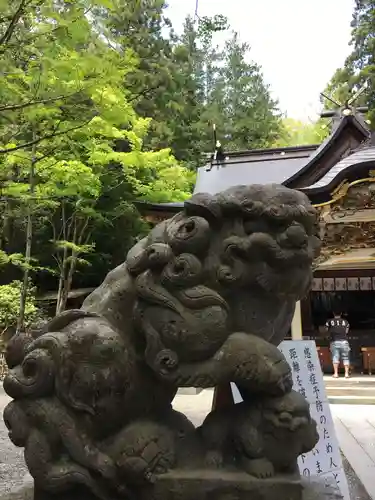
(87, 239)
(28, 41)
(82, 230)
(13, 107)
(143, 93)
(43, 138)
(13, 23)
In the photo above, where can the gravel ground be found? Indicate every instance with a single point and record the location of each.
(15, 482)
(13, 472)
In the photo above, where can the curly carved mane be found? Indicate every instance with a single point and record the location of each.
(256, 242)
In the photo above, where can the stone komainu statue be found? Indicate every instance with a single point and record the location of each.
(203, 300)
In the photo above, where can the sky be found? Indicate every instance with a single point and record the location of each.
(298, 43)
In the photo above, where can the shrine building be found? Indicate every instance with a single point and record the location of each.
(339, 178)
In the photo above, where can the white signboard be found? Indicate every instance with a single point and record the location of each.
(325, 459)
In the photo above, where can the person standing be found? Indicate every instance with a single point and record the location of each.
(338, 329)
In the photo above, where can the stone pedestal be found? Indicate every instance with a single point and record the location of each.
(222, 485)
(215, 485)
(183, 485)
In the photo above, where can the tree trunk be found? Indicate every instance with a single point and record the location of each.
(69, 278)
(64, 264)
(77, 239)
(29, 240)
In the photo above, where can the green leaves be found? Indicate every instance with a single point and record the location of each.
(233, 93)
(298, 133)
(359, 66)
(77, 249)
(72, 146)
(100, 104)
(9, 305)
(72, 92)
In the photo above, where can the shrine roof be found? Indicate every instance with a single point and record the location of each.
(312, 169)
(350, 131)
(268, 166)
(364, 157)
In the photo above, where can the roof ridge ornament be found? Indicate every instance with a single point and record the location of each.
(345, 109)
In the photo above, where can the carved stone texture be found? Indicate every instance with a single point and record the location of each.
(203, 300)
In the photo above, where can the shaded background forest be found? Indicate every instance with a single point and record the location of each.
(103, 103)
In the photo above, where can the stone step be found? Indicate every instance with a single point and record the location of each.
(353, 380)
(364, 396)
(358, 390)
(351, 400)
(350, 388)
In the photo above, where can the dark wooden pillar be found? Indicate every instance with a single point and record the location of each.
(306, 317)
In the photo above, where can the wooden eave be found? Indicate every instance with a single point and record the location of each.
(348, 136)
(357, 168)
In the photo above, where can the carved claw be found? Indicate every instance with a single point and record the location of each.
(162, 466)
(138, 469)
(259, 467)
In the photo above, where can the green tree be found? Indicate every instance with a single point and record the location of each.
(240, 102)
(359, 68)
(72, 119)
(159, 85)
(198, 59)
(299, 133)
(10, 306)
(229, 89)
(339, 89)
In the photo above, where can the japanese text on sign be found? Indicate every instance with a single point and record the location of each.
(325, 459)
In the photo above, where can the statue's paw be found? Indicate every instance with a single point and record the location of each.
(162, 466)
(138, 469)
(159, 461)
(259, 467)
(214, 459)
